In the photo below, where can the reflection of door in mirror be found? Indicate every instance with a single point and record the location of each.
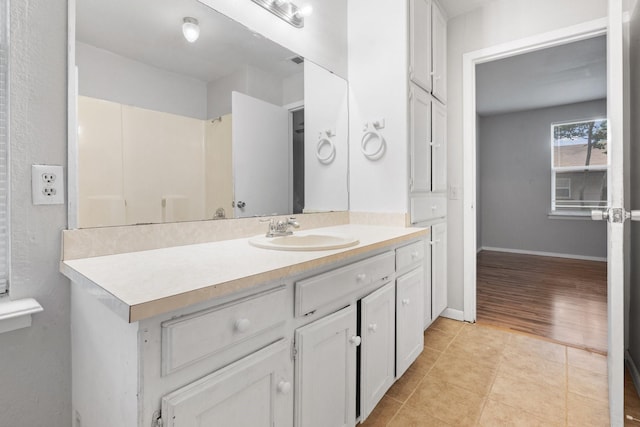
(297, 122)
(262, 178)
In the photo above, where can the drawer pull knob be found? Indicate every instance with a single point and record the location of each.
(406, 301)
(355, 340)
(414, 255)
(361, 277)
(434, 207)
(284, 387)
(373, 327)
(242, 325)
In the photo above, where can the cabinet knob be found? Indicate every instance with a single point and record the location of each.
(373, 327)
(284, 387)
(361, 277)
(415, 255)
(355, 340)
(434, 207)
(406, 301)
(242, 325)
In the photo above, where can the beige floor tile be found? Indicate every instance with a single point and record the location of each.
(583, 411)
(402, 389)
(426, 360)
(448, 326)
(451, 404)
(588, 384)
(496, 414)
(526, 345)
(409, 416)
(383, 413)
(465, 371)
(481, 341)
(530, 396)
(593, 362)
(534, 368)
(437, 339)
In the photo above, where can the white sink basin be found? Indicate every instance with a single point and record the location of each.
(304, 242)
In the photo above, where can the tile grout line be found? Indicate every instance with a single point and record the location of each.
(493, 380)
(426, 373)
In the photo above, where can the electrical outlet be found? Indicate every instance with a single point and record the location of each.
(47, 185)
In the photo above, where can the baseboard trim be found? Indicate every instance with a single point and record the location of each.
(550, 254)
(633, 369)
(454, 314)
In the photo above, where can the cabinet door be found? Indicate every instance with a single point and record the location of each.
(420, 105)
(439, 268)
(439, 148)
(325, 392)
(439, 47)
(420, 43)
(428, 318)
(377, 354)
(255, 391)
(409, 319)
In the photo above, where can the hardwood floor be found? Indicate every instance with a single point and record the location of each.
(563, 300)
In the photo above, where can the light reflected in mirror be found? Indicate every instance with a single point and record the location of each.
(231, 125)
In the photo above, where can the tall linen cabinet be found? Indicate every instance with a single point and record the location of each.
(428, 144)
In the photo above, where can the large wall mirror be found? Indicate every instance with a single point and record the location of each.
(231, 125)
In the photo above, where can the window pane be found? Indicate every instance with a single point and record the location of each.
(583, 190)
(580, 144)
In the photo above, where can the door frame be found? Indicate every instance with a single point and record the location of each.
(559, 37)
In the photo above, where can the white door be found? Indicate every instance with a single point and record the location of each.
(255, 391)
(439, 55)
(421, 142)
(438, 269)
(439, 148)
(377, 355)
(325, 392)
(261, 170)
(409, 316)
(616, 213)
(420, 43)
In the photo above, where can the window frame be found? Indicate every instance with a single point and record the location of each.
(554, 170)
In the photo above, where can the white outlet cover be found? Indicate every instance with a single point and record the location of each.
(47, 184)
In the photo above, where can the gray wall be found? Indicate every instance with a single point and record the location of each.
(634, 293)
(35, 365)
(105, 75)
(515, 184)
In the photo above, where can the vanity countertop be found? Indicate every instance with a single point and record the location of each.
(139, 285)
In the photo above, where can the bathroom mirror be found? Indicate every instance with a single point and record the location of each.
(230, 125)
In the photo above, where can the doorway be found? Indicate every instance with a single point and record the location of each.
(541, 167)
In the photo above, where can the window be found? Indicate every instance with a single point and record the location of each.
(579, 164)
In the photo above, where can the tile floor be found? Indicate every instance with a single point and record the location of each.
(471, 375)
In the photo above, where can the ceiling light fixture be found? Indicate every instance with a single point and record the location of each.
(190, 29)
(287, 11)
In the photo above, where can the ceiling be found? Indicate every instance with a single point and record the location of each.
(566, 74)
(150, 31)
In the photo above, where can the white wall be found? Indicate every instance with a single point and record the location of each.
(514, 174)
(35, 374)
(495, 23)
(106, 75)
(378, 88)
(323, 39)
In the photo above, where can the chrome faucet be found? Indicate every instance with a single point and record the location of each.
(281, 227)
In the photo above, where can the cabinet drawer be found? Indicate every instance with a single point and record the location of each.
(410, 255)
(246, 322)
(428, 207)
(322, 289)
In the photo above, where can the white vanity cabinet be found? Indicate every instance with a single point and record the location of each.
(410, 290)
(319, 347)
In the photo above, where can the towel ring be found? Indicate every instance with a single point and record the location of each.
(325, 160)
(369, 136)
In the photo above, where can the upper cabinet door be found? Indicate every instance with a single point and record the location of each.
(439, 148)
(420, 103)
(439, 54)
(420, 43)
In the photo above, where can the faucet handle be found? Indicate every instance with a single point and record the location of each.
(292, 221)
